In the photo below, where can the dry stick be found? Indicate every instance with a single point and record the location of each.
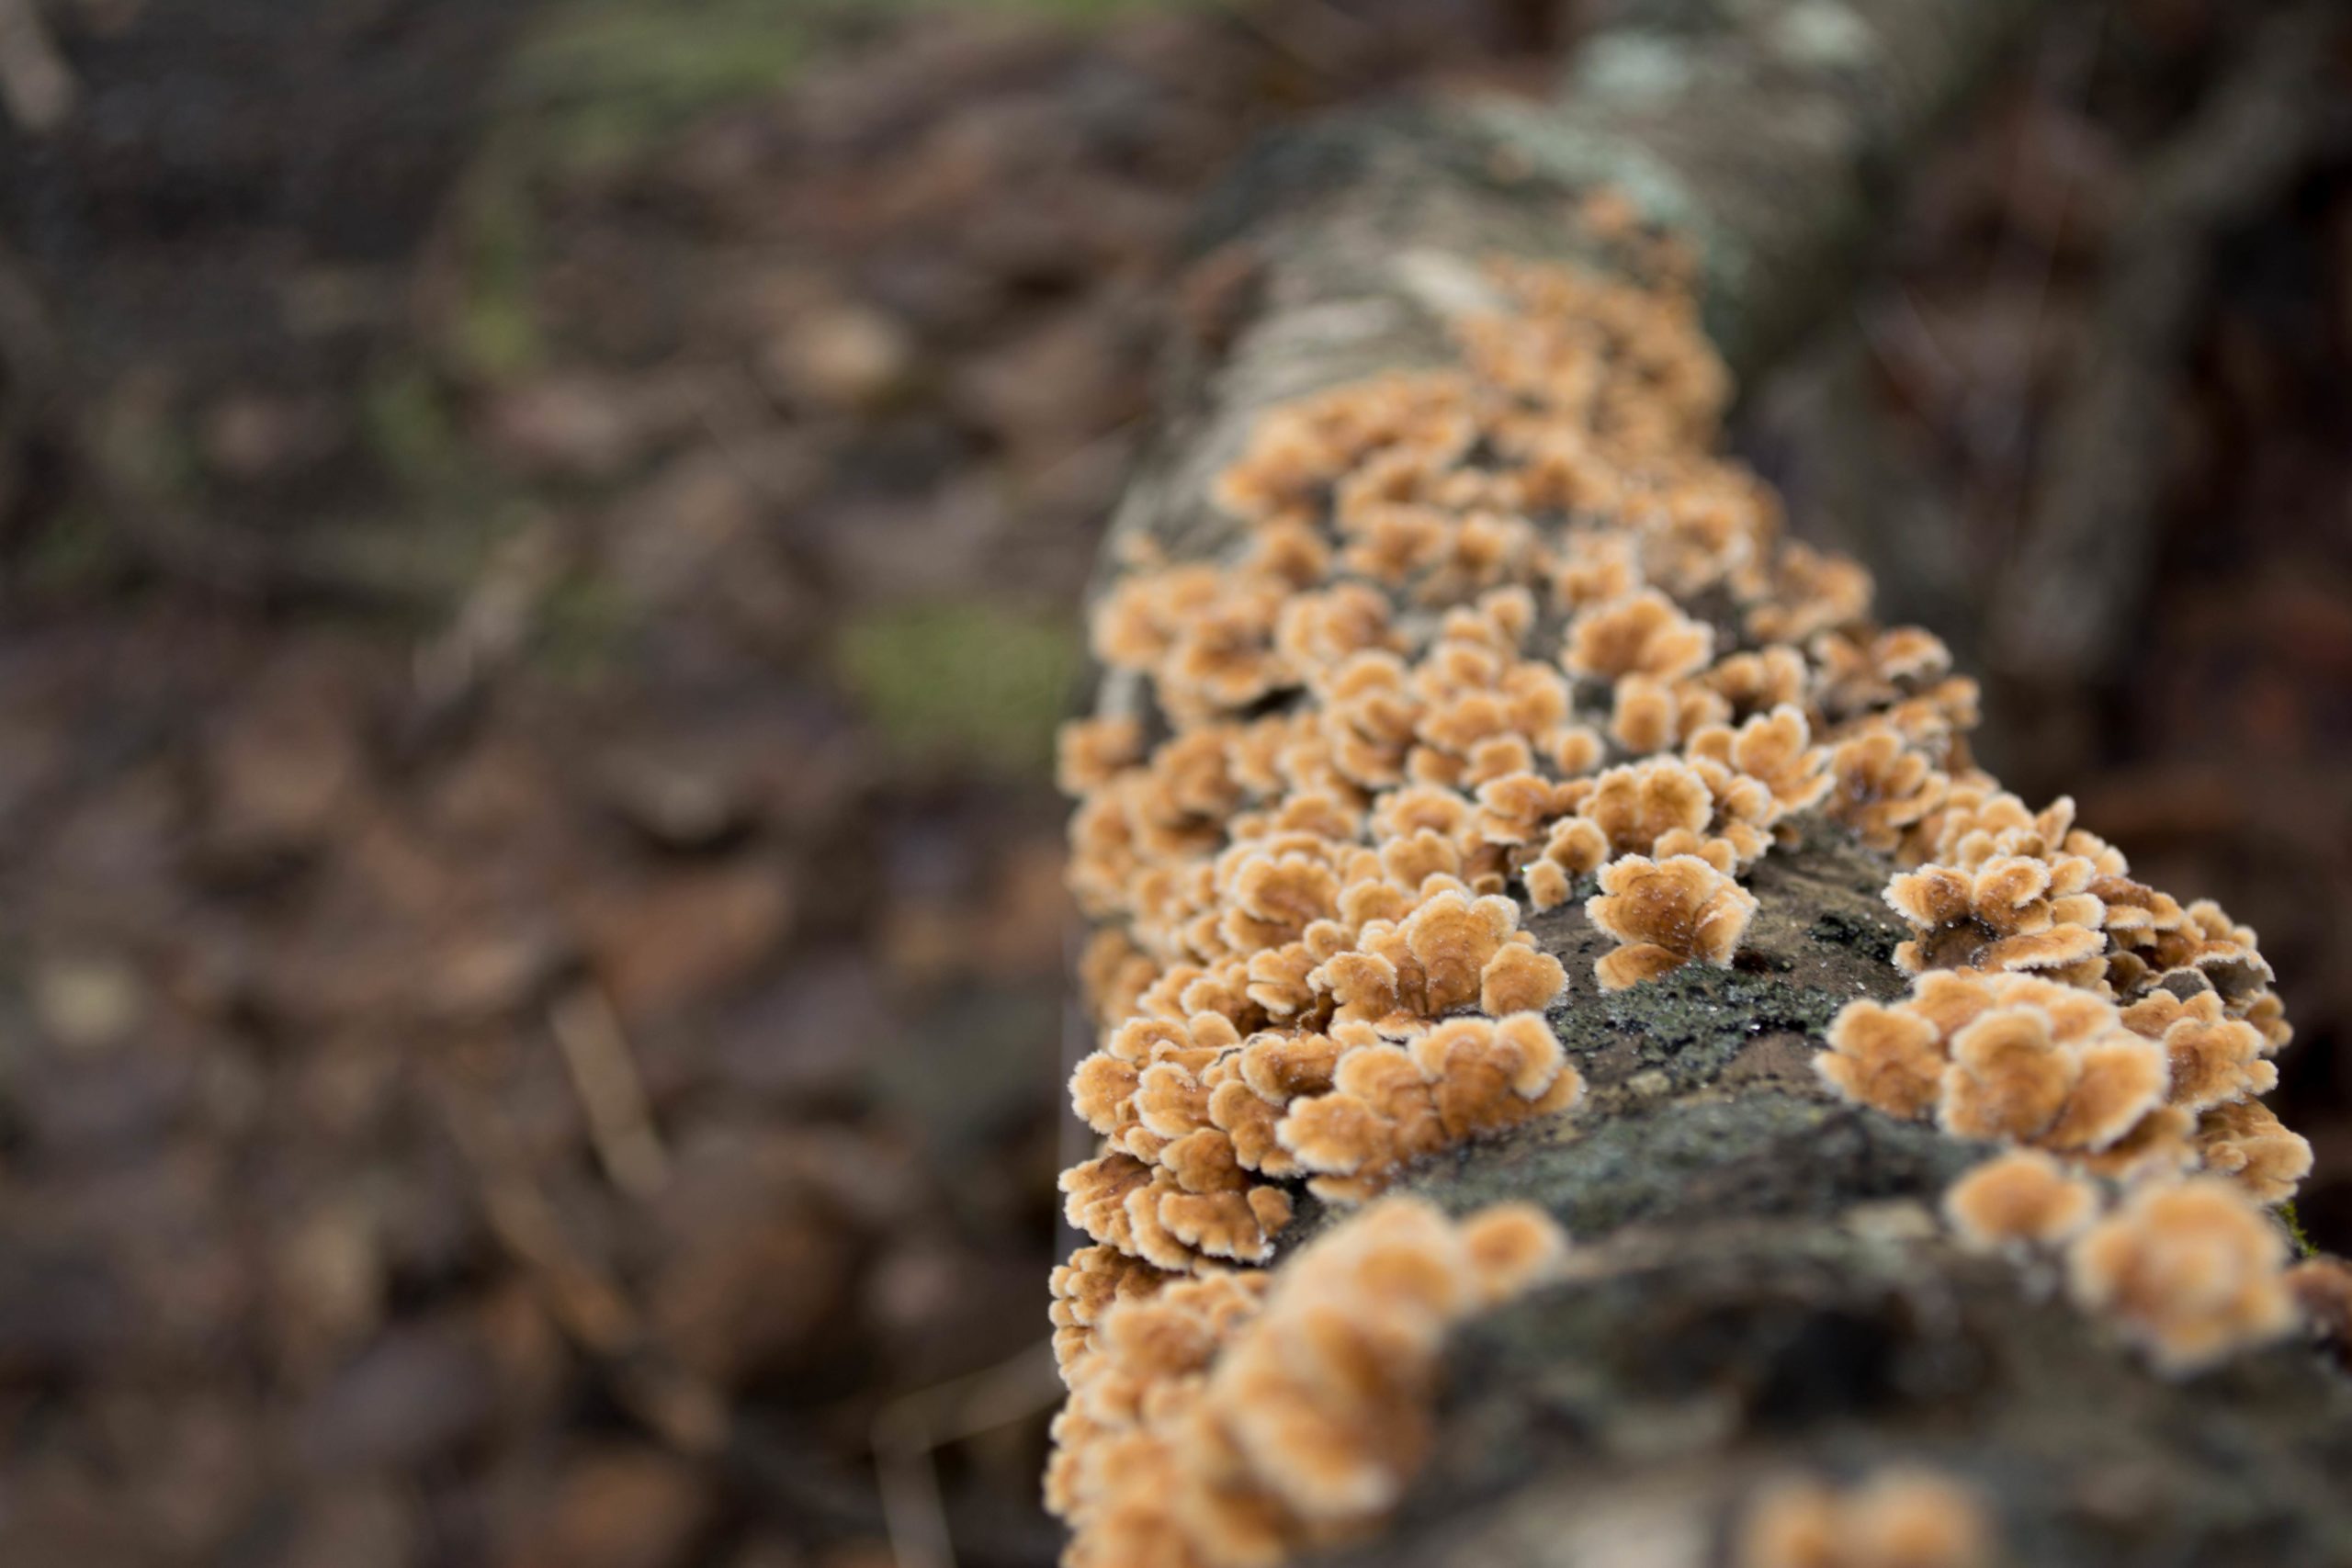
(2064, 609)
(491, 624)
(604, 1074)
(908, 1431)
(1896, 332)
(30, 374)
(786, 1476)
(593, 1310)
(719, 415)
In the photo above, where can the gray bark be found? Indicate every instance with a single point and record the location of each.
(1761, 1284)
(1765, 132)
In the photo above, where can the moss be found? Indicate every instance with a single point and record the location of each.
(409, 430)
(1773, 1329)
(1819, 939)
(2304, 1248)
(1838, 929)
(963, 682)
(1693, 1023)
(495, 330)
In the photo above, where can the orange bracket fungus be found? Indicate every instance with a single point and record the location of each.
(1227, 1419)
(2024, 1198)
(1666, 913)
(1909, 1518)
(1503, 639)
(2190, 1268)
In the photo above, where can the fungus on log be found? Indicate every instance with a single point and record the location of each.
(1488, 811)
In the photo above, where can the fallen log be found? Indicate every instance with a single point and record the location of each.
(1500, 832)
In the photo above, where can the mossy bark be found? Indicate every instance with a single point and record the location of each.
(1761, 1283)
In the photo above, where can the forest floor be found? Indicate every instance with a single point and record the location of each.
(540, 554)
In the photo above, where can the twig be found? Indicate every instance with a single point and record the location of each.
(491, 624)
(677, 1406)
(909, 1430)
(719, 417)
(1899, 337)
(605, 1075)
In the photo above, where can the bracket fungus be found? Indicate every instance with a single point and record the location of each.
(1665, 914)
(1506, 636)
(1899, 1518)
(2190, 1268)
(2060, 1006)
(2010, 912)
(2023, 1198)
(1227, 1419)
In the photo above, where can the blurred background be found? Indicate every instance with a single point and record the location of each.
(540, 550)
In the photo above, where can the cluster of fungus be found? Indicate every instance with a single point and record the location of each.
(2116, 1041)
(1898, 1518)
(1242, 1416)
(1494, 637)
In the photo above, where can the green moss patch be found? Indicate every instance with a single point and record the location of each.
(964, 682)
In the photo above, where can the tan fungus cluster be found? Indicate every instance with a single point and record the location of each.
(2060, 1005)
(1200, 1123)
(2023, 1198)
(2014, 1058)
(1226, 1420)
(1899, 1518)
(2011, 912)
(2246, 1141)
(2156, 1094)
(1456, 658)
(1666, 913)
(2190, 1268)
(1496, 637)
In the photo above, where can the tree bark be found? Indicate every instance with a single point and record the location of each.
(1766, 134)
(1760, 1281)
